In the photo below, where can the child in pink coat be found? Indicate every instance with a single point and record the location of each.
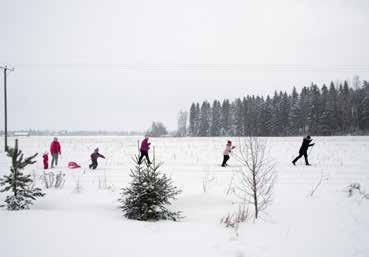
(226, 152)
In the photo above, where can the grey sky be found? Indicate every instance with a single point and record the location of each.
(115, 65)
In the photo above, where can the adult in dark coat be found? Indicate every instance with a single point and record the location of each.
(94, 157)
(303, 150)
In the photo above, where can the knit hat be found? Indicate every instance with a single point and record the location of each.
(229, 142)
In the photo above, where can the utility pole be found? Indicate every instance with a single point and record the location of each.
(5, 69)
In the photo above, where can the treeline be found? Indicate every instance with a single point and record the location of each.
(329, 110)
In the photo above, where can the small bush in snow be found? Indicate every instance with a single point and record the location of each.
(356, 187)
(233, 220)
(257, 176)
(21, 186)
(317, 185)
(149, 194)
(78, 187)
(50, 180)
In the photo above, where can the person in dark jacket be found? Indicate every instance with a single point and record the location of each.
(94, 157)
(303, 150)
(144, 149)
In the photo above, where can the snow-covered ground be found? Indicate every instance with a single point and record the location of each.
(89, 223)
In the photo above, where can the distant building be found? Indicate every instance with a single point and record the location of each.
(21, 133)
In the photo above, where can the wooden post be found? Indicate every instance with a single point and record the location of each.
(153, 158)
(5, 113)
(5, 69)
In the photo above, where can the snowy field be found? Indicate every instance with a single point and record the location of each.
(65, 223)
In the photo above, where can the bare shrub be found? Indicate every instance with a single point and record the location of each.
(233, 220)
(356, 187)
(51, 180)
(207, 179)
(231, 187)
(78, 187)
(317, 185)
(60, 180)
(257, 175)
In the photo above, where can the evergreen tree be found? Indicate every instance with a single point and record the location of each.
(331, 108)
(295, 118)
(276, 122)
(266, 117)
(215, 128)
(149, 194)
(197, 120)
(238, 118)
(305, 108)
(324, 127)
(364, 108)
(225, 118)
(157, 129)
(340, 109)
(358, 96)
(346, 108)
(314, 109)
(293, 113)
(20, 185)
(182, 124)
(259, 102)
(245, 115)
(192, 121)
(284, 114)
(205, 113)
(253, 107)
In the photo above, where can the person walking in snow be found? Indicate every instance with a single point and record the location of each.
(94, 156)
(144, 150)
(226, 152)
(45, 158)
(55, 150)
(303, 150)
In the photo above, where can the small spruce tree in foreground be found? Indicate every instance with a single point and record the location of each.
(20, 185)
(149, 194)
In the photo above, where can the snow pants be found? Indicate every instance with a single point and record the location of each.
(300, 155)
(93, 165)
(225, 159)
(46, 165)
(54, 159)
(146, 155)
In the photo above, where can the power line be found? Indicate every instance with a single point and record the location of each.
(204, 67)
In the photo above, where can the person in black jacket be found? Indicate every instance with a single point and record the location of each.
(94, 157)
(303, 150)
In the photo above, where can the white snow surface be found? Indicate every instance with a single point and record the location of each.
(89, 223)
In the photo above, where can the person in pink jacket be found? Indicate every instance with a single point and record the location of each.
(144, 149)
(55, 150)
(226, 152)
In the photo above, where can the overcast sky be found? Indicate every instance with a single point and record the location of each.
(118, 65)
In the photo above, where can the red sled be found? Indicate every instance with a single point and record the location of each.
(73, 165)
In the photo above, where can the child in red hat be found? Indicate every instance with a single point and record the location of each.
(45, 158)
(227, 151)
